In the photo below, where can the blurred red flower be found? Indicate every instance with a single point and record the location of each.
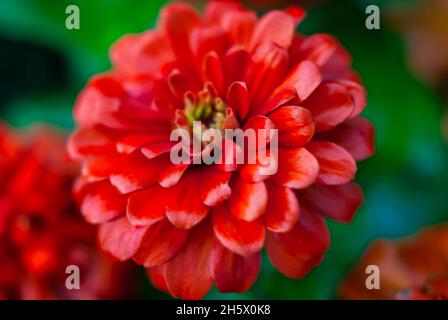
(41, 230)
(195, 225)
(414, 268)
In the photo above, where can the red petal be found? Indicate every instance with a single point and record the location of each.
(270, 63)
(330, 105)
(177, 21)
(299, 84)
(230, 154)
(248, 200)
(155, 149)
(338, 65)
(295, 253)
(358, 94)
(297, 168)
(336, 164)
(212, 71)
(277, 27)
(238, 99)
(295, 125)
(236, 64)
(158, 278)
(102, 202)
(171, 176)
(304, 78)
(206, 39)
(239, 25)
(183, 209)
(215, 10)
(283, 209)
(99, 168)
(354, 135)
(279, 98)
(231, 121)
(264, 166)
(296, 12)
(136, 172)
(180, 83)
(232, 272)
(318, 48)
(214, 186)
(140, 54)
(147, 206)
(96, 105)
(129, 143)
(239, 236)
(161, 242)
(338, 202)
(262, 127)
(188, 275)
(89, 141)
(120, 238)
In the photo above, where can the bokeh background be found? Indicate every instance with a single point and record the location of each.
(404, 66)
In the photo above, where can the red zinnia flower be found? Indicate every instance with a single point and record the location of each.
(41, 230)
(195, 225)
(413, 268)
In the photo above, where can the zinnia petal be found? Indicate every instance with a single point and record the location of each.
(297, 168)
(337, 202)
(161, 242)
(189, 274)
(239, 236)
(248, 200)
(120, 238)
(354, 135)
(232, 272)
(336, 164)
(294, 253)
(283, 209)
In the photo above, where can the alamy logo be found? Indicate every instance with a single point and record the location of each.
(373, 20)
(72, 282)
(72, 21)
(373, 280)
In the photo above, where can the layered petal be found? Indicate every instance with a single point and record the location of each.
(248, 200)
(277, 27)
(330, 105)
(239, 236)
(161, 242)
(146, 207)
(295, 125)
(283, 209)
(232, 272)
(337, 202)
(183, 209)
(189, 274)
(101, 202)
(120, 238)
(299, 84)
(214, 186)
(354, 135)
(294, 253)
(297, 168)
(336, 165)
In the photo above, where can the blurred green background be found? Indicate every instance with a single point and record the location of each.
(43, 67)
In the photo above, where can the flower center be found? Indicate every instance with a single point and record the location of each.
(206, 108)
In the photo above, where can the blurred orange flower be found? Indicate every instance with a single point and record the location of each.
(413, 268)
(425, 27)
